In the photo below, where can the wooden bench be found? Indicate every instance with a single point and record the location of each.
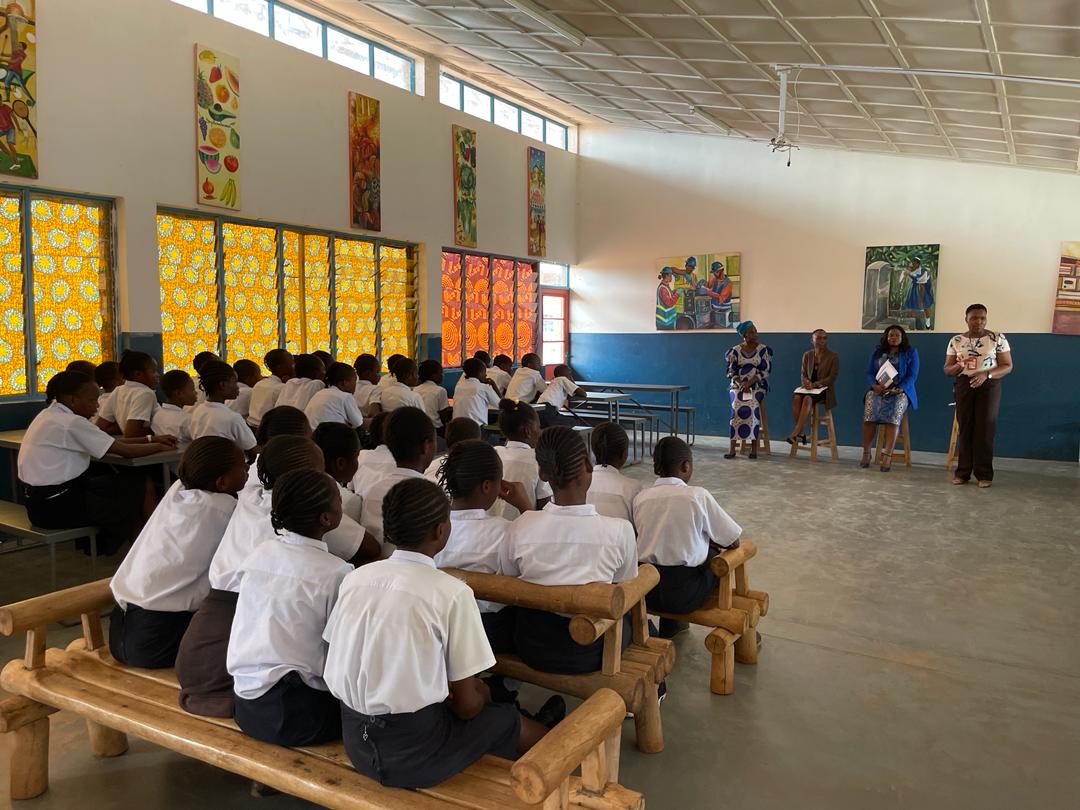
(734, 615)
(116, 701)
(15, 521)
(597, 611)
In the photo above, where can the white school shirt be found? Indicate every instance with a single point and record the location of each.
(218, 419)
(298, 392)
(432, 471)
(366, 394)
(352, 505)
(435, 399)
(172, 420)
(58, 447)
(569, 545)
(250, 526)
(519, 464)
(557, 392)
(398, 395)
(132, 400)
(473, 399)
(102, 399)
(676, 522)
(242, 403)
(168, 567)
(500, 378)
(288, 587)
(400, 632)
(373, 494)
(475, 539)
(526, 385)
(333, 405)
(373, 464)
(386, 379)
(612, 492)
(264, 396)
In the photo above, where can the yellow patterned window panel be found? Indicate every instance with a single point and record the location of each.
(293, 292)
(307, 292)
(251, 292)
(12, 336)
(354, 297)
(187, 272)
(72, 283)
(397, 303)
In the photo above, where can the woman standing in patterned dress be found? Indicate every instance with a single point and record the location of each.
(748, 368)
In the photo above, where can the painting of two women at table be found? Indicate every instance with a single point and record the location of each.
(899, 284)
(698, 291)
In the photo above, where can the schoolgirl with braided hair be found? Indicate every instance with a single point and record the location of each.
(612, 492)
(335, 403)
(290, 580)
(520, 427)
(340, 447)
(458, 430)
(213, 417)
(565, 543)
(165, 576)
(680, 528)
(281, 420)
(406, 643)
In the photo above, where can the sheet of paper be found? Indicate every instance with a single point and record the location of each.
(886, 374)
(802, 390)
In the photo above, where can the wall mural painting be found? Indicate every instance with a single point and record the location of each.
(899, 285)
(217, 131)
(699, 292)
(365, 204)
(18, 105)
(537, 202)
(464, 141)
(1067, 297)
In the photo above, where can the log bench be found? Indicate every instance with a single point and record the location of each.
(733, 613)
(597, 610)
(116, 701)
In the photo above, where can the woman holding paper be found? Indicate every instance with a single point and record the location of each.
(891, 375)
(748, 367)
(819, 370)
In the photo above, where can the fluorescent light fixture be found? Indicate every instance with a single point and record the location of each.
(705, 115)
(548, 19)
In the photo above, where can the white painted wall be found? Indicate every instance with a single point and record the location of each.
(803, 230)
(116, 118)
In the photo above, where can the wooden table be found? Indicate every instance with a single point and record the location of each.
(647, 388)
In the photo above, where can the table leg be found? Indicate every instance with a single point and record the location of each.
(674, 413)
(165, 478)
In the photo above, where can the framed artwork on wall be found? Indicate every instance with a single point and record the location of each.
(365, 189)
(464, 163)
(217, 128)
(899, 285)
(537, 202)
(18, 104)
(702, 291)
(1067, 297)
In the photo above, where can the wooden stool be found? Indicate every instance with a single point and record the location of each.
(820, 417)
(763, 435)
(903, 435)
(950, 456)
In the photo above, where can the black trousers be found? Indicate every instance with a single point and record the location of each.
(146, 638)
(543, 641)
(681, 589)
(290, 713)
(100, 498)
(976, 417)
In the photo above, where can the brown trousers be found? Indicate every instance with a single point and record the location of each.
(976, 416)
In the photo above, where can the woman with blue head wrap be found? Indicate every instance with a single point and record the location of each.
(748, 367)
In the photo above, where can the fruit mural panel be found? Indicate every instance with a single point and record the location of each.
(18, 101)
(365, 205)
(217, 129)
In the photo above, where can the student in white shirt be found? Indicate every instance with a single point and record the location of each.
(309, 380)
(108, 378)
(391, 375)
(561, 388)
(280, 421)
(131, 407)
(289, 582)
(165, 576)
(171, 417)
(340, 447)
(335, 403)
(567, 543)
(54, 464)
(197, 362)
(406, 646)
(459, 430)
(249, 374)
(436, 400)
(612, 492)
(527, 383)
(214, 417)
(375, 458)
(368, 395)
(474, 397)
(520, 427)
(399, 392)
(265, 393)
(499, 373)
(680, 528)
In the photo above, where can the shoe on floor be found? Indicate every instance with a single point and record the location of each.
(661, 691)
(985, 484)
(959, 481)
(552, 712)
(669, 628)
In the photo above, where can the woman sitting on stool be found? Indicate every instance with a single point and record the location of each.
(749, 365)
(891, 391)
(820, 367)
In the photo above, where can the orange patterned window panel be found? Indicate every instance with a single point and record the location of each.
(477, 304)
(12, 280)
(451, 310)
(502, 307)
(251, 291)
(355, 297)
(187, 271)
(528, 290)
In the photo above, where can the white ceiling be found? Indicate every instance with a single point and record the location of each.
(645, 63)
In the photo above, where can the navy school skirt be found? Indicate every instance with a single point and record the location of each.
(682, 588)
(423, 748)
(543, 641)
(206, 687)
(146, 638)
(290, 713)
(499, 629)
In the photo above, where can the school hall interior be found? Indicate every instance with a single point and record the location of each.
(628, 188)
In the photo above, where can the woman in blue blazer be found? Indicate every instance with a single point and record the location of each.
(892, 390)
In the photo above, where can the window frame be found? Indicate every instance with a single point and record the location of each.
(564, 294)
(26, 197)
(411, 249)
(545, 120)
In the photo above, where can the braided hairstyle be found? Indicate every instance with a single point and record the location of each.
(468, 465)
(201, 359)
(339, 373)
(337, 441)
(561, 455)
(669, 454)
(284, 453)
(610, 444)
(406, 432)
(411, 509)
(213, 375)
(460, 429)
(375, 430)
(514, 417)
(300, 498)
(284, 420)
(64, 384)
(206, 460)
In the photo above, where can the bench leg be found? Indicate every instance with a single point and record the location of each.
(746, 648)
(647, 723)
(106, 742)
(30, 760)
(722, 675)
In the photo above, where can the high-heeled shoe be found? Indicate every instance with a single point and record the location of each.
(886, 467)
(865, 461)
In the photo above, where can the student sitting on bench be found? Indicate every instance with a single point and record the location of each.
(171, 418)
(611, 491)
(473, 396)
(266, 392)
(520, 427)
(213, 417)
(561, 388)
(340, 447)
(367, 393)
(249, 375)
(375, 459)
(309, 380)
(131, 407)
(459, 430)
(336, 402)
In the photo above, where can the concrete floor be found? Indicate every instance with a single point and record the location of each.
(922, 650)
